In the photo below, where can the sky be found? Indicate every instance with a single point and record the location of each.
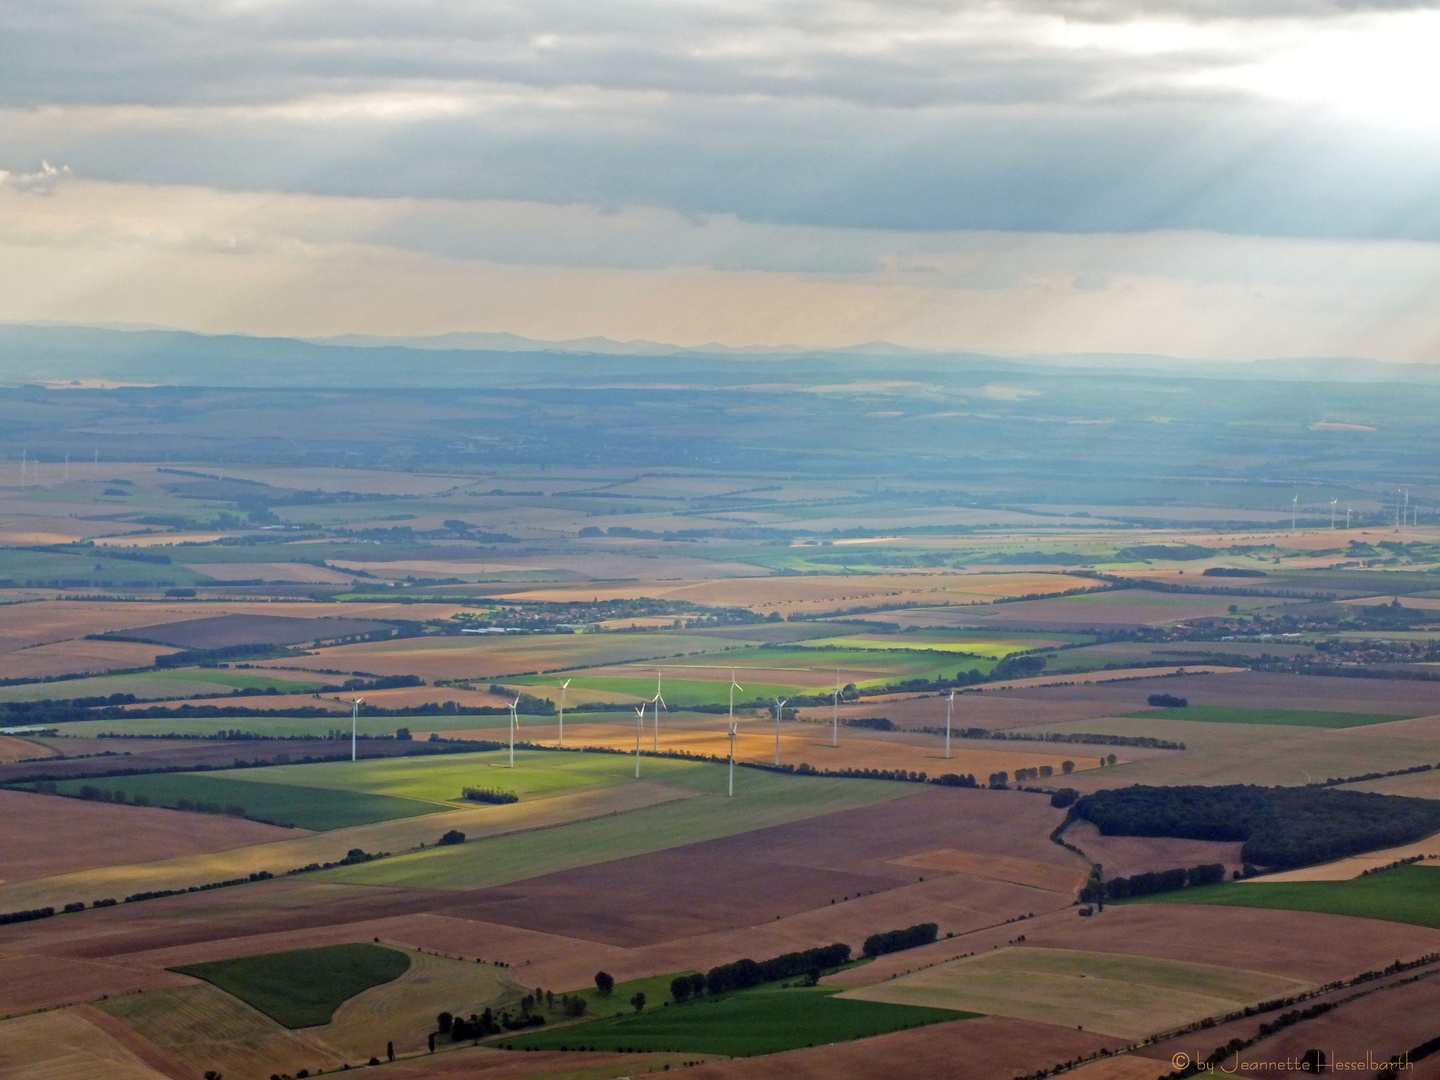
(1208, 179)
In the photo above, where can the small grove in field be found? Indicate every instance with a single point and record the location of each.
(303, 988)
(1406, 894)
(1280, 827)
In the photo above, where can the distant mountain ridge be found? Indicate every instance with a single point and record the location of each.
(53, 353)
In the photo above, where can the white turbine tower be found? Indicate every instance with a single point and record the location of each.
(949, 708)
(734, 730)
(1294, 509)
(514, 723)
(779, 708)
(639, 726)
(1333, 503)
(354, 723)
(835, 716)
(1406, 518)
(563, 685)
(1347, 517)
(659, 703)
(733, 687)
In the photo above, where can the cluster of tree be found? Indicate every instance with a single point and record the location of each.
(1231, 571)
(487, 1023)
(1064, 737)
(744, 973)
(897, 940)
(1280, 827)
(454, 836)
(951, 779)
(1147, 884)
(157, 894)
(998, 780)
(1040, 772)
(354, 857)
(1066, 796)
(381, 682)
(489, 795)
(1168, 701)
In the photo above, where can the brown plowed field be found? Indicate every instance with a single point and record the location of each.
(30, 981)
(225, 631)
(1122, 856)
(1298, 944)
(43, 835)
(768, 874)
(988, 1048)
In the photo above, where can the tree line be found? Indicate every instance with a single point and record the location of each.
(1148, 884)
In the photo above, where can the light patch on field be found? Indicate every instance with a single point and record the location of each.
(1126, 996)
(285, 571)
(205, 1028)
(994, 650)
(1119, 1067)
(64, 1046)
(13, 748)
(1030, 872)
(403, 1010)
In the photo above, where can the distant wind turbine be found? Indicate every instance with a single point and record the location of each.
(1347, 517)
(779, 707)
(354, 723)
(659, 703)
(639, 725)
(1333, 504)
(514, 723)
(733, 687)
(1294, 509)
(835, 718)
(563, 685)
(734, 730)
(949, 708)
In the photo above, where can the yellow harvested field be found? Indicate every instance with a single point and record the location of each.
(1119, 1067)
(153, 539)
(1017, 871)
(26, 530)
(826, 592)
(63, 1045)
(1353, 867)
(77, 657)
(14, 748)
(1112, 993)
(31, 981)
(205, 1028)
(279, 856)
(607, 567)
(407, 697)
(403, 1011)
(809, 744)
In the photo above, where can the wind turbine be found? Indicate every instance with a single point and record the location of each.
(1347, 518)
(779, 707)
(639, 724)
(659, 703)
(1333, 504)
(733, 687)
(949, 708)
(734, 730)
(1294, 509)
(354, 723)
(835, 717)
(514, 723)
(1406, 518)
(563, 685)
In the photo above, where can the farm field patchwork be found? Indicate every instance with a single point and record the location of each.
(170, 683)
(765, 1020)
(992, 647)
(1126, 996)
(1406, 894)
(317, 809)
(62, 1045)
(761, 799)
(303, 988)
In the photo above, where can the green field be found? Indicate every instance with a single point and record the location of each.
(71, 569)
(1407, 894)
(1227, 714)
(303, 988)
(679, 693)
(538, 774)
(762, 799)
(281, 725)
(317, 809)
(765, 1020)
